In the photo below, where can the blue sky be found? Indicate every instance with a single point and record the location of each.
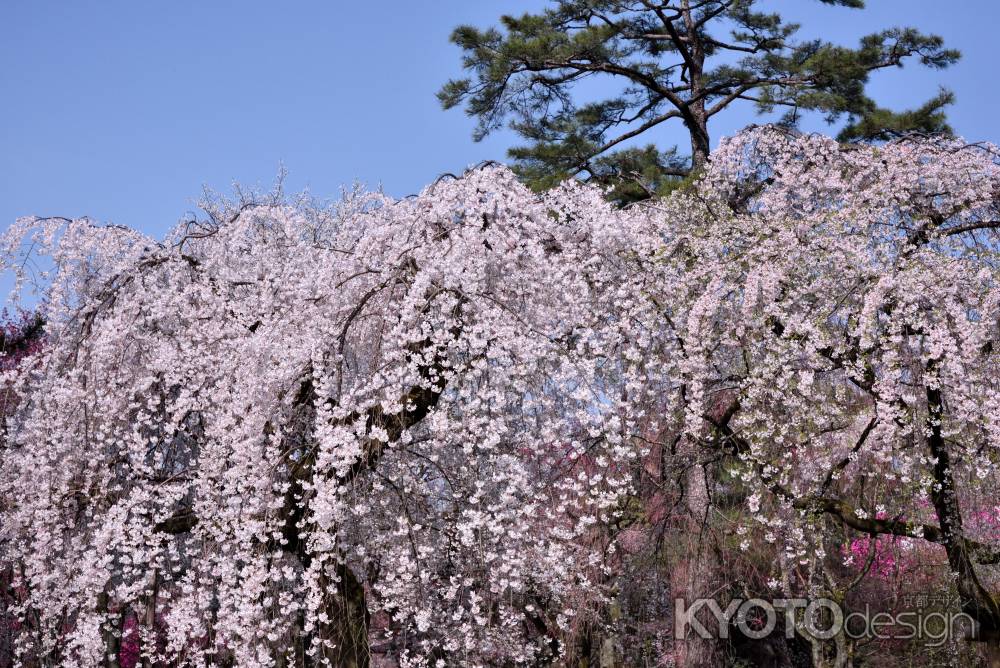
(124, 110)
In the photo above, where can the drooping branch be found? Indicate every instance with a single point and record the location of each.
(417, 403)
(849, 515)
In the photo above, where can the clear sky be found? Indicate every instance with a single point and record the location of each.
(124, 110)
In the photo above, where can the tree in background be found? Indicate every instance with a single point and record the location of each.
(669, 61)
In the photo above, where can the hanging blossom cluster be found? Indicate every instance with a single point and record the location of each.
(842, 339)
(302, 435)
(289, 427)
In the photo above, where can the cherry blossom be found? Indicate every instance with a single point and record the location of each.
(454, 429)
(285, 417)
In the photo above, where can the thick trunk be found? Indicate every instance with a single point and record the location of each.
(692, 579)
(343, 638)
(149, 618)
(821, 649)
(992, 650)
(696, 118)
(584, 648)
(700, 147)
(354, 620)
(610, 655)
(111, 633)
(978, 602)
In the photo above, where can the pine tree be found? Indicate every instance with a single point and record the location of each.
(670, 60)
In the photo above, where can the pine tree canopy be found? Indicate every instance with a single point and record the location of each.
(669, 61)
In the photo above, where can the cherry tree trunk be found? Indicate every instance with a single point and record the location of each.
(347, 629)
(992, 651)
(693, 576)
